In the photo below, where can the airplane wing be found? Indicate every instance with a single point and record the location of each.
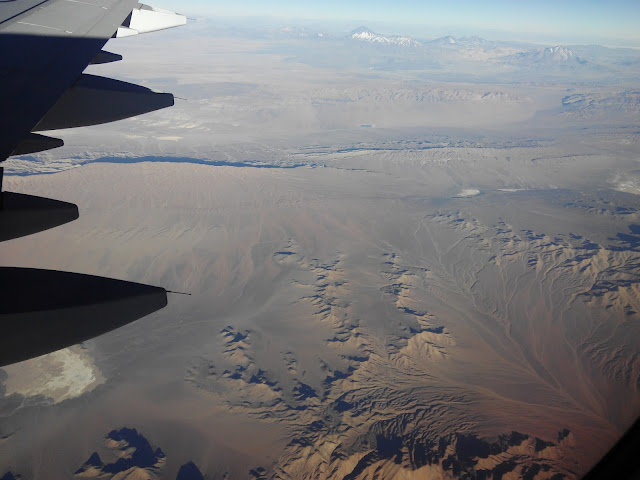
(44, 48)
(45, 45)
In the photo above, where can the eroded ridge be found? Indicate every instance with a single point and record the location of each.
(390, 405)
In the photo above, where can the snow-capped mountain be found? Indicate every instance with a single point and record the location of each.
(549, 56)
(367, 35)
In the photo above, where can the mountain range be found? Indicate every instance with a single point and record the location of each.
(540, 57)
(477, 48)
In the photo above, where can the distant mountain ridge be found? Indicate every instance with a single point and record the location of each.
(473, 46)
(468, 42)
(302, 32)
(547, 56)
(446, 40)
(367, 35)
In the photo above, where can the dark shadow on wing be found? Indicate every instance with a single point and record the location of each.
(22, 215)
(43, 88)
(42, 311)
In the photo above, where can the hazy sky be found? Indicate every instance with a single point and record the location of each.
(565, 20)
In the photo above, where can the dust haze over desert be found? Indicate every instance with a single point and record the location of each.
(408, 257)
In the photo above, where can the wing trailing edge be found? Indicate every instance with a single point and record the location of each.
(70, 99)
(44, 48)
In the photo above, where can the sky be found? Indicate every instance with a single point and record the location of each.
(585, 21)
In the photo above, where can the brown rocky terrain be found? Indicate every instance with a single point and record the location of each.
(344, 322)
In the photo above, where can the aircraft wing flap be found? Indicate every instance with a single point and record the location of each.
(41, 59)
(45, 45)
(66, 17)
(62, 17)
